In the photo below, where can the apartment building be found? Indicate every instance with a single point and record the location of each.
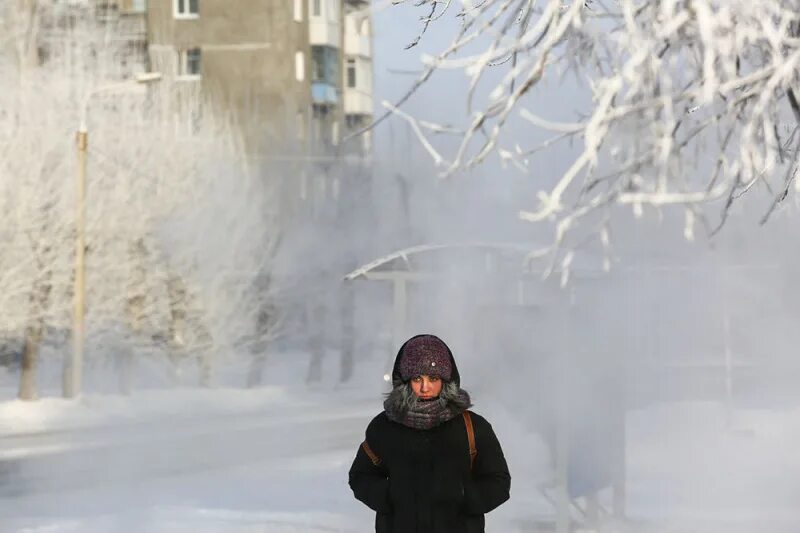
(357, 105)
(108, 37)
(249, 61)
(294, 75)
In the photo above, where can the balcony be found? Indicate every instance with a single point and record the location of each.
(357, 35)
(138, 7)
(324, 93)
(357, 45)
(132, 27)
(115, 8)
(323, 32)
(357, 102)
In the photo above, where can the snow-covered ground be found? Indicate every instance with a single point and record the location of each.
(697, 468)
(275, 460)
(182, 460)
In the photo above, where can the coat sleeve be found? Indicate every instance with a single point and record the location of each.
(370, 482)
(490, 482)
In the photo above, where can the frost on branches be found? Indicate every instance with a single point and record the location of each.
(692, 102)
(180, 229)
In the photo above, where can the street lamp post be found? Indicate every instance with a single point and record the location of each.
(73, 364)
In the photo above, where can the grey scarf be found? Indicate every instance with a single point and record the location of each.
(404, 407)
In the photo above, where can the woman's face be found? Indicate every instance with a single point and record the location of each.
(426, 387)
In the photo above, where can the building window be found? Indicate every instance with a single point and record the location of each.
(189, 63)
(126, 6)
(303, 185)
(300, 125)
(319, 113)
(320, 118)
(367, 136)
(353, 122)
(325, 65)
(323, 189)
(316, 8)
(187, 8)
(351, 73)
(298, 10)
(299, 66)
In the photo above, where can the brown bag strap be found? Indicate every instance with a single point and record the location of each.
(473, 450)
(372, 456)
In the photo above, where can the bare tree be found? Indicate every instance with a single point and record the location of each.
(269, 322)
(690, 102)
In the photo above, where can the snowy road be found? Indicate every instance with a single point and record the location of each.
(282, 468)
(102, 456)
(205, 473)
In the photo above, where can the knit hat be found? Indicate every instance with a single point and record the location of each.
(425, 355)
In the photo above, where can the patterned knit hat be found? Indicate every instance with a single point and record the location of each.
(425, 355)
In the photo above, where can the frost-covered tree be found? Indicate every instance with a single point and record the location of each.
(179, 227)
(681, 102)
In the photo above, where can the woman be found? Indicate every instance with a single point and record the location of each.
(428, 465)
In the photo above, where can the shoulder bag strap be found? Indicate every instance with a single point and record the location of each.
(372, 456)
(473, 451)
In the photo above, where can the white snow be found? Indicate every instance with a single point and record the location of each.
(53, 414)
(276, 460)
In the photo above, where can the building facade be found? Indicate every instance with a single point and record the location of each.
(285, 72)
(357, 105)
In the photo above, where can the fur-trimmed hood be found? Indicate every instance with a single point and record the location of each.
(404, 407)
(402, 399)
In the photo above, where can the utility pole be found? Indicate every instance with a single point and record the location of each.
(73, 367)
(73, 363)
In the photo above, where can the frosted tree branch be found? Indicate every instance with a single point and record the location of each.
(688, 102)
(176, 236)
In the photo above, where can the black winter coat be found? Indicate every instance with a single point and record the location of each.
(424, 483)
